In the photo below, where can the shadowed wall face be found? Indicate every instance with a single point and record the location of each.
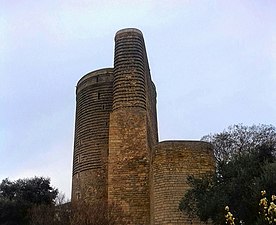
(94, 103)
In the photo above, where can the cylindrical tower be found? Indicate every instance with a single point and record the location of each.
(94, 103)
(129, 70)
(129, 152)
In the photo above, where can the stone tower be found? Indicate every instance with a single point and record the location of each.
(94, 104)
(132, 130)
(117, 156)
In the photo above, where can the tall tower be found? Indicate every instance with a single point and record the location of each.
(115, 131)
(93, 105)
(117, 156)
(130, 139)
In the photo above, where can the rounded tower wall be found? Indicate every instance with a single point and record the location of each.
(173, 162)
(93, 106)
(129, 70)
(129, 153)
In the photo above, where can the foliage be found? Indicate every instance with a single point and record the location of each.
(51, 214)
(246, 165)
(17, 197)
(229, 218)
(36, 190)
(34, 202)
(240, 139)
(80, 213)
(267, 210)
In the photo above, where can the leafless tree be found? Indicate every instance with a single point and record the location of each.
(79, 213)
(84, 213)
(240, 139)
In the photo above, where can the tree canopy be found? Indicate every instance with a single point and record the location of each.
(240, 139)
(246, 165)
(18, 197)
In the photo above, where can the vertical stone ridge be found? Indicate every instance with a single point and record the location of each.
(129, 70)
(129, 145)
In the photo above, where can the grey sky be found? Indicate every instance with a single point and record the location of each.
(213, 63)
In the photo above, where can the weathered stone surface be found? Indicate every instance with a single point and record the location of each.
(173, 162)
(128, 165)
(94, 104)
(117, 157)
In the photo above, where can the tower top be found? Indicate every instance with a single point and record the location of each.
(95, 73)
(129, 30)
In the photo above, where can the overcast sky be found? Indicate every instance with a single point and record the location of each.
(213, 63)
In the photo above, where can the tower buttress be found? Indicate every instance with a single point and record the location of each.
(129, 152)
(129, 70)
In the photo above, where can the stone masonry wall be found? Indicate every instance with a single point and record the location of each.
(129, 153)
(172, 163)
(128, 167)
(94, 103)
(129, 70)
